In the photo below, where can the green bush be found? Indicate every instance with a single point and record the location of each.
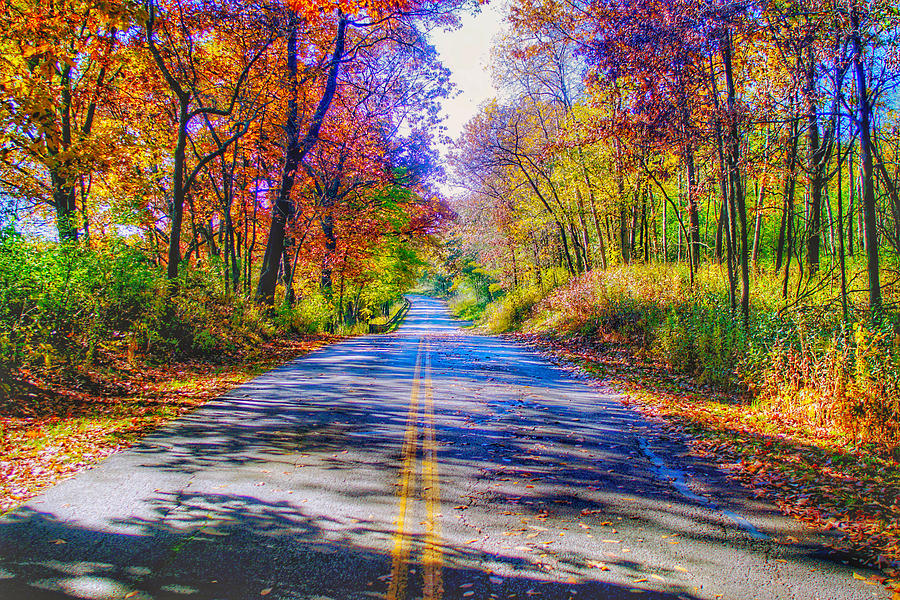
(510, 311)
(63, 305)
(312, 314)
(59, 302)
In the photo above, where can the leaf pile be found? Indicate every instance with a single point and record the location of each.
(54, 427)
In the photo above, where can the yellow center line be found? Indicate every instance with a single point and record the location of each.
(400, 551)
(432, 555)
(432, 559)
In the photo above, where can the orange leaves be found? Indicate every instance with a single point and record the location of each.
(313, 10)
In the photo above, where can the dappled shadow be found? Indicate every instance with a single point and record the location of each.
(241, 546)
(288, 484)
(850, 490)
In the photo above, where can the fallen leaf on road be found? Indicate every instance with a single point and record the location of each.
(265, 592)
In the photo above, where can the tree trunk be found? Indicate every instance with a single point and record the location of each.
(840, 227)
(327, 223)
(295, 151)
(790, 186)
(178, 191)
(866, 166)
(693, 211)
(64, 205)
(852, 193)
(61, 182)
(736, 185)
(624, 236)
(813, 167)
(287, 278)
(601, 245)
(760, 198)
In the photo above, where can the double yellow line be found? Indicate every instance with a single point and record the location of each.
(432, 557)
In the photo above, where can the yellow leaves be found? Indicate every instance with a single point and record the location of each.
(875, 580)
(28, 51)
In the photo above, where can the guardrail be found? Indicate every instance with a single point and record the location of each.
(385, 327)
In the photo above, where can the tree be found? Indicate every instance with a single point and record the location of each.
(58, 65)
(379, 24)
(188, 67)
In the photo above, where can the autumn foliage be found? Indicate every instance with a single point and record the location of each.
(712, 184)
(273, 152)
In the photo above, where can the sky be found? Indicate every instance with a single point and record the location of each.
(467, 53)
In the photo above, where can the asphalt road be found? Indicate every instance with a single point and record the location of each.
(427, 463)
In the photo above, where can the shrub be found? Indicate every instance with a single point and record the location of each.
(510, 311)
(802, 361)
(65, 305)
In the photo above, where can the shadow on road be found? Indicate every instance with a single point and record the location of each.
(237, 550)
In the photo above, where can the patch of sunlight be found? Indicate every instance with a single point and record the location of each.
(90, 587)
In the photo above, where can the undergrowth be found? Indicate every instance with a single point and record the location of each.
(801, 361)
(67, 307)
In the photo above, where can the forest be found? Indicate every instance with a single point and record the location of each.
(168, 168)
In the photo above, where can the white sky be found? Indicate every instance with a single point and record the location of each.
(467, 53)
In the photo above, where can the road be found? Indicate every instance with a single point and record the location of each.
(427, 463)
